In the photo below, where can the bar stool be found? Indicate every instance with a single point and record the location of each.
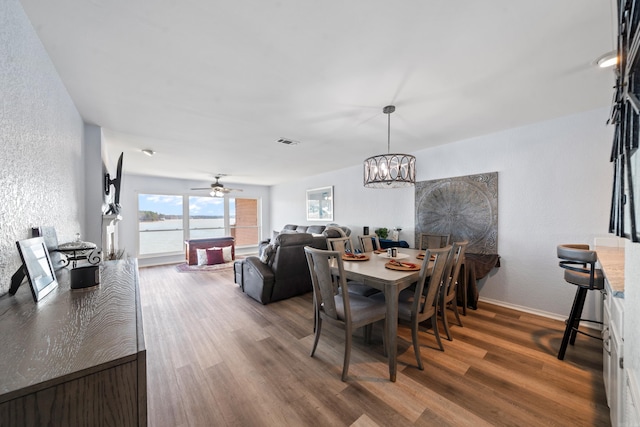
(580, 269)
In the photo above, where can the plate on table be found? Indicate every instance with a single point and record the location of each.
(402, 266)
(421, 256)
(355, 257)
(398, 256)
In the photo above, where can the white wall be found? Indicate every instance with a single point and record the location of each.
(132, 185)
(554, 187)
(94, 179)
(41, 141)
(354, 205)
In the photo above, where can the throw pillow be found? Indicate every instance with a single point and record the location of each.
(214, 256)
(267, 253)
(202, 256)
(226, 253)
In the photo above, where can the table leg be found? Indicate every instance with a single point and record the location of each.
(391, 298)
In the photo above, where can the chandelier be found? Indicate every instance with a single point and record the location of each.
(389, 170)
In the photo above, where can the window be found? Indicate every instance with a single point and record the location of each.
(160, 224)
(206, 217)
(166, 221)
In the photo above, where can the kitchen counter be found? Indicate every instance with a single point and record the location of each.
(611, 260)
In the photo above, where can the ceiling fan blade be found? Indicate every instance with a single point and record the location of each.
(217, 189)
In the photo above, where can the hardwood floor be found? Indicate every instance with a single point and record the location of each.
(215, 357)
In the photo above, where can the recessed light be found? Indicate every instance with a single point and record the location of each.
(148, 152)
(608, 59)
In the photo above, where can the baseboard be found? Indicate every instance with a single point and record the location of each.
(524, 309)
(540, 313)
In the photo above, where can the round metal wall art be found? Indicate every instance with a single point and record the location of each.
(464, 207)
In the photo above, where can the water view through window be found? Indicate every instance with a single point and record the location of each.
(206, 217)
(166, 221)
(160, 224)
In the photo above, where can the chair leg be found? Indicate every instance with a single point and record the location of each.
(434, 325)
(367, 333)
(454, 306)
(317, 337)
(347, 353)
(573, 321)
(416, 345)
(315, 313)
(576, 320)
(445, 321)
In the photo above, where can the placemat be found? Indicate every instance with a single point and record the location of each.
(355, 257)
(402, 266)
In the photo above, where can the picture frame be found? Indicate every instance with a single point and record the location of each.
(37, 266)
(320, 204)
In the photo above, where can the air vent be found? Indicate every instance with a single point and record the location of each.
(287, 141)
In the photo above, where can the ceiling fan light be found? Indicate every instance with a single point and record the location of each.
(148, 152)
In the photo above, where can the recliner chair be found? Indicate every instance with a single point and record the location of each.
(285, 274)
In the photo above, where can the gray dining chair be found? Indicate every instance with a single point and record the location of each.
(342, 244)
(448, 294)
(432, 241)
(369, 242)
(343, 309)
(419, 304)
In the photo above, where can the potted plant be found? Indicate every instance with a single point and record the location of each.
(382, 233)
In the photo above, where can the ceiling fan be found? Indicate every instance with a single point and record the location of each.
(217, 189)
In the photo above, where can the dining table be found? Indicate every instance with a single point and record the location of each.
(373, 272)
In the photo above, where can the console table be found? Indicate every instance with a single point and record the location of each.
(77, 357)
(474, 267)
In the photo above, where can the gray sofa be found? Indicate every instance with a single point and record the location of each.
(320, 233)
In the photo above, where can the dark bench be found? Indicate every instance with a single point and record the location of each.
(191, 245)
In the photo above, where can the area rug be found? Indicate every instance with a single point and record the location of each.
(185, 268)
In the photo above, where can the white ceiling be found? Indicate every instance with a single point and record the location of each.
(211, 85)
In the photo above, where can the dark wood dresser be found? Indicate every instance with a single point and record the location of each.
(77, 357)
